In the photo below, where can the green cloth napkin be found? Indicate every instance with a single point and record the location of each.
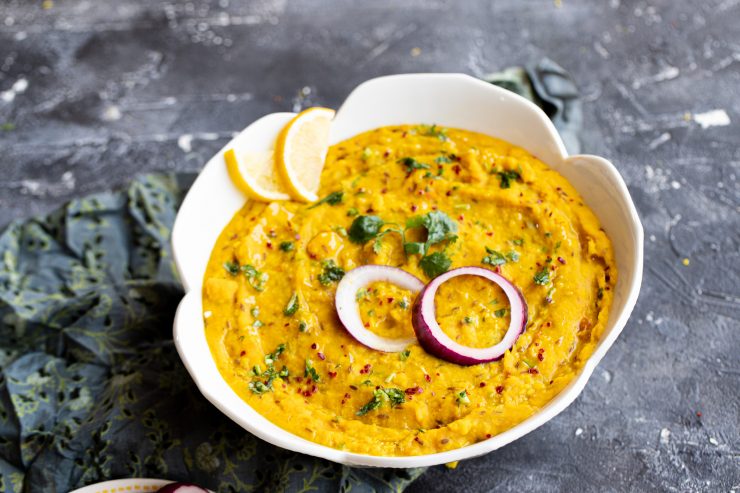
(91, 387)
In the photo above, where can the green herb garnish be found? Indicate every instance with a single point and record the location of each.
(333, 198)
(500, 313)
(542, 277)
(332, 272)
(435, 264)
(404, 355)
(463, 399)
(439, 226)
(292, 305)
(232, 268)
(286, 246)
(518, 241)
(507, 176)
(270, 374)
(513, 256)
(394, 397)
(365, 228)
(433, 131)
(412, 164)
(442, 159)
(352, 212)
(311, 372)
(302, 326)
(493, 258)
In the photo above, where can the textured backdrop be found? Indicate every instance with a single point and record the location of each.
(92, 92)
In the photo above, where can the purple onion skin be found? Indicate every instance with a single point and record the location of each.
(433, 347)
(175, 487)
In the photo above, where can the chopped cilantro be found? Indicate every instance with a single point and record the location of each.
(435, 264)
(542, 277)
(292, 305)
(332, 273)
(468, 320)
(257, 324)
(256, 278)
(500, 313)
(302, 326)
(518, 241)
(463, 399)
(333, 198)
(433, 131)
(352, 212)
(513, 256)
(493, 258)
(287, 246)
(404, 355)
(403, 304)
(311, 371)
(442, 159)
(507, 176)
(393, 396)
(412, 164)
(232, 268)
(258, 387)
(255, 311)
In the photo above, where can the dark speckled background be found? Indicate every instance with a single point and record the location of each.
(93, 91)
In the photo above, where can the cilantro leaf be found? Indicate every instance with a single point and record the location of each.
(333, 198)
(382, 395)
(292, 305)
(311, 371)
(493, 258)
(332, 273)
(542, 277)
(365, 228)
(507, 176)
(286, 246)
(412, 164)
(435, 264)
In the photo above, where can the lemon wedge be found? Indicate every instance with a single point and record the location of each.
(255, 174)
(300, 152)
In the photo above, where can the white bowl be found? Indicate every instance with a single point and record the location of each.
(450, 100)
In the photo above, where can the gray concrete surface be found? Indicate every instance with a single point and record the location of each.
(92, 92)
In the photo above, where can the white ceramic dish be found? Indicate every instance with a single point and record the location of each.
(451, 100)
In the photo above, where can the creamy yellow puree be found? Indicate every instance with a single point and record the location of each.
(271, 322)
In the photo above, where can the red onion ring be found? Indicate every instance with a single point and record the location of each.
(349, 311)
(436, 342)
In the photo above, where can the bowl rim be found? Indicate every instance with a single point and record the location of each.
(556, 405)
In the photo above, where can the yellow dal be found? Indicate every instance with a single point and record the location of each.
(541, 217)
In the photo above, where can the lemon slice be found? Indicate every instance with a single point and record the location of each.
(255, 174)
(300, 152)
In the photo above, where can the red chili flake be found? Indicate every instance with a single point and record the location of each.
(533, 371)
(366, 369)
(286, 324)
(413, 208)
(321, 356)
(386, 153)
(313, 346)
(434, 207)
(448, 193)
(497, 269)
(299, 379)
(269, 244)
(488, 435)
(548, 324)
(414, 390)
(312, 255)
(427, 378)
(499, 389)
(309, 381)
(460, 217)
(390, 299)
(540, 356)
(607, 278)
(299, 391)
(242, 353)
(457, 169)
(384, 190)
(490, 233)
(561, 260)
(416, 439)
(482, 384)
(370, 210)
(313, 389)
(346, 396)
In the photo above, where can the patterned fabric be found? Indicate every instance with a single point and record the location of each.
(91, 387)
